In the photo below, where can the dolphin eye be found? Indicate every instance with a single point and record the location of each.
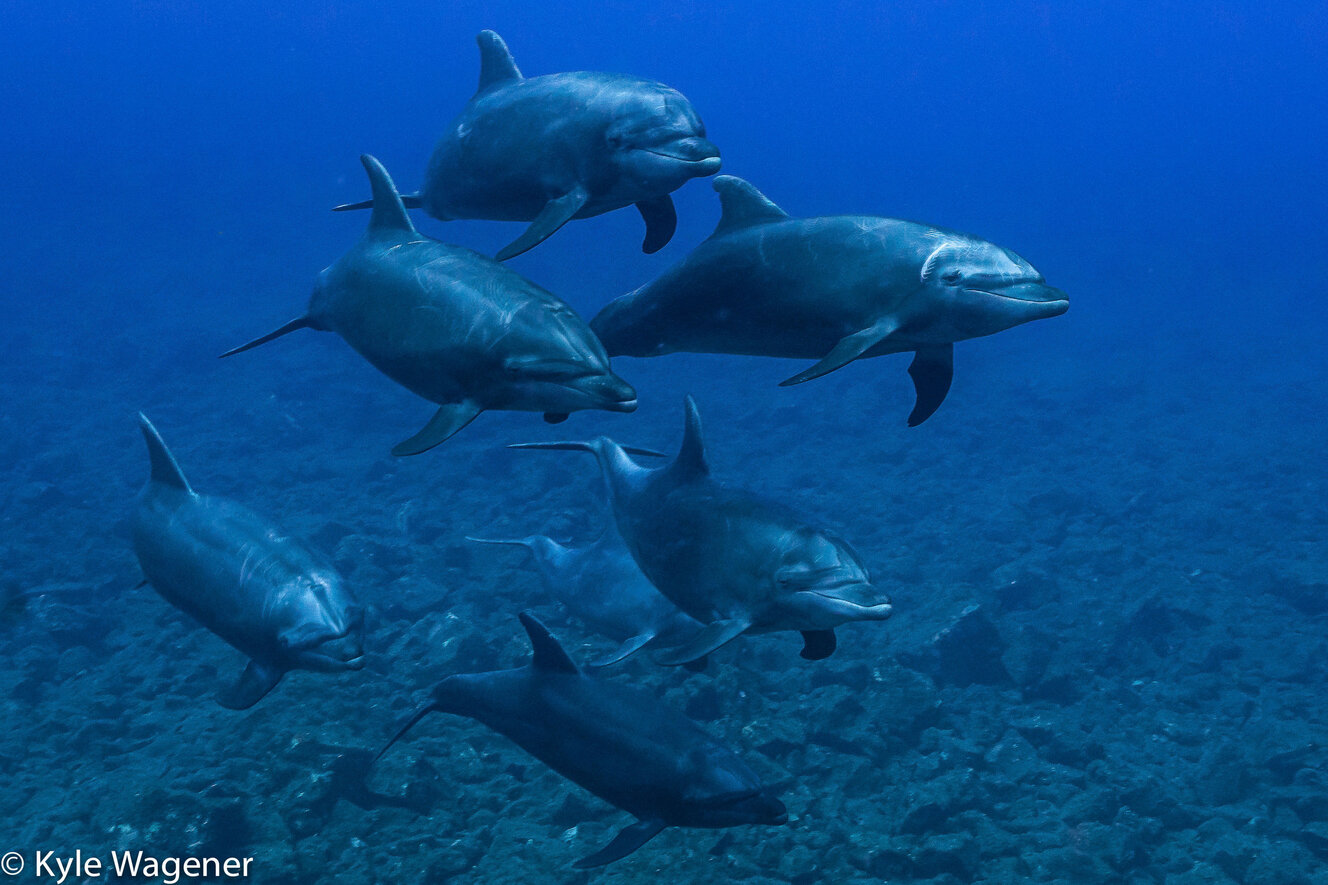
(950, 276)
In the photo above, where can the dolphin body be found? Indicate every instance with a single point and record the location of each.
(267, 594)
(455, 327)
(734, 561)
(833, 288)
(561, 146)
(612, 739)
(602, 585)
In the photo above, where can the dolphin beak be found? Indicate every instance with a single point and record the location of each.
(615, 393)
(694, 150)
(1055, 301)
(856, 601)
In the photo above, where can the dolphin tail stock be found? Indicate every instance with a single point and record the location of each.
(410, 201)
(298, 323)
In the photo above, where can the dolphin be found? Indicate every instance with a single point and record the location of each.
(455, 327)
(269, 595)
(561, 146)
(614, 740)
(602, 585)
(833, 289)
(733, 560)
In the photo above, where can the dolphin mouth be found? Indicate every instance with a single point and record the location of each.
(1027, 292)
(835, 598)
(693, 151)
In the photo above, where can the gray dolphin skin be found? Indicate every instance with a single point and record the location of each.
(603, 586)
(455, 327)
(278, 601)
(561, 146)
(614, 740)
(733, 560)
(834, 289)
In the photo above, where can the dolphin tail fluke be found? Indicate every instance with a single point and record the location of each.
(297, 323)
(443, 425)
(410, 201)
(255, 682)
(165, 470)
(410, 723)
(554, 215)
(932, 371)
(629, 839)
(849, 348)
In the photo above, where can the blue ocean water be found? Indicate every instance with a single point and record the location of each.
(1106, 550)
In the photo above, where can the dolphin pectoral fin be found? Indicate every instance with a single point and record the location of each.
(849, 348)
(697, 666)
(297, 323)
(661, 221)
(624, 651)
(710, 637)
(576, 446)
(932, 370)
(410, 201)
(444, 423)
(256, 681)
(554, 215)
(818, 644)
(628, 840)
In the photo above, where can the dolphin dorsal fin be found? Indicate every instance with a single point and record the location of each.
(389, 214)
(742, 205)
(691, 459)
(164, 469)
(549, 655)
(496, 62)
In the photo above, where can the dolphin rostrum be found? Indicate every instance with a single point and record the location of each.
(731, 559)
(561, 146)
(269, 595)
(612, 739)
(833, 289)
(455, 327)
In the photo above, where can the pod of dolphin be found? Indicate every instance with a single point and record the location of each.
(687, 564)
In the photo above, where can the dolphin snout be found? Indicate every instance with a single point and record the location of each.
(1033, 292)
(691, 149)
(615, 393)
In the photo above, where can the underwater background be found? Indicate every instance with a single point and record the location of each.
(1107, 551)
